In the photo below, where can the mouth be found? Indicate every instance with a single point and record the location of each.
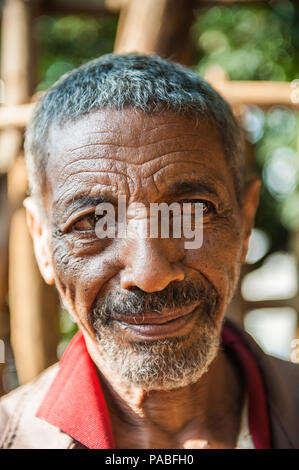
(167, 325)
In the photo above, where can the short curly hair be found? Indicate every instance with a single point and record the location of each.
(144, 82)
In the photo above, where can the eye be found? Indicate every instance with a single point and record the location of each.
(87, 223)
(207, 206)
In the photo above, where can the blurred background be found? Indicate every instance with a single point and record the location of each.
(249, 51)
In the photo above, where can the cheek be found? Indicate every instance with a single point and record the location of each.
(219, 259)
(79, 275)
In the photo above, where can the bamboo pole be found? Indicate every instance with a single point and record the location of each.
(210, 3)
(33, 306)
(264, 94)
(16, 71)
(91, 7)
(14, 67)
(33, 326)
(255, 92)
(15, 63)
(4, 319)
(161, 27)
(14, 116)
(259, 93)
(294, 248)
(104, 7)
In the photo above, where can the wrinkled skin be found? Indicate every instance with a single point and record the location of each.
(143, 157)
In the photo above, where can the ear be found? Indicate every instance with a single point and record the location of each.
(40, 237)
(249, 207)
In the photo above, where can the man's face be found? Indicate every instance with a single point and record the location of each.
(153, 307)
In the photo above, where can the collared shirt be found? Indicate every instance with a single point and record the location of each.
(76, 405)
(244, 439)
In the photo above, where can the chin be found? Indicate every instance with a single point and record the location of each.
(164, 364)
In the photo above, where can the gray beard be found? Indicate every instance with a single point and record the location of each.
(163, 364)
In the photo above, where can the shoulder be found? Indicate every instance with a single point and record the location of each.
(19, 428)
(286, 369)
(278, 374)
(281, 379)
(278, 368)
(9, 403)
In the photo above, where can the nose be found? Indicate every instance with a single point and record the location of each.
(151, 266)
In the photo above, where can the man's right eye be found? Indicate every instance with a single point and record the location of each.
(87, 223)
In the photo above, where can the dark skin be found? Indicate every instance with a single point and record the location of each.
(148, 158)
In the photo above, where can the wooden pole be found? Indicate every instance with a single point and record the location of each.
(33, 321)
(161, 27)
(33, 306)
(294, 248)
(14, 116)
(15, 67)
(4, 318)
(104, 7)
(263, 94)
(90, 7)
(211, 3)
(16, 70)
(259, 93)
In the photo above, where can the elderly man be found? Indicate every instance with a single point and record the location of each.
(155, 364)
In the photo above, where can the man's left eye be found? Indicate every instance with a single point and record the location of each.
(207, 206)
(86, 223)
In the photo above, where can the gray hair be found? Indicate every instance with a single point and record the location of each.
(147, 83)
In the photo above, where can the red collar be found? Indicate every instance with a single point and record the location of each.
(75, 402)
(258, 419)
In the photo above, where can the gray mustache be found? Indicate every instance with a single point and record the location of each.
(136, 302)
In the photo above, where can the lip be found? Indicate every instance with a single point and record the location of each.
(177, 323)
(164, 317)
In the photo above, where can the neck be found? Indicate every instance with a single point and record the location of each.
(204, 414)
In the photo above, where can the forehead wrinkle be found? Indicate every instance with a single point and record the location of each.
(68, 195)
(125, 158)
(90, 163)
(96, 172)
(121, 144)
(216, 184)
(170, 123)
(93, 159)
(102, 159)
(156, 172)
(147, 129)
(104, 166)
(141, 120)
(151, 160)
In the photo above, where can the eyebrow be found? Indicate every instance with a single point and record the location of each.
(177, 188)
(196, 186)
(82, 201)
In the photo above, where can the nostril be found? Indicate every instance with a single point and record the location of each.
(150, 267)
(150, 280)
(134, 289)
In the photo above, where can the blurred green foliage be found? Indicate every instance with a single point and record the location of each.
(261, 42)
(251, 42)
(66, 42)
(67, 329)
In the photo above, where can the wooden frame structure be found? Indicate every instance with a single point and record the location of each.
(147, 26)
